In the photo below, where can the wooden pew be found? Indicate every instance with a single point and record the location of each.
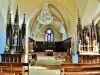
(7, 73)
(80, 69)
(21, 65)
(79, 64)
(14, 68)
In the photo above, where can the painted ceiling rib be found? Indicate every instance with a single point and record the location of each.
(85, 10)
(77, 5)
(98, 0)
(97, 12)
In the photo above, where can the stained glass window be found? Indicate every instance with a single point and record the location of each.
(49, 35)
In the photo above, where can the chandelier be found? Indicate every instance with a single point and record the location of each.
(45, 16)
(62, 29)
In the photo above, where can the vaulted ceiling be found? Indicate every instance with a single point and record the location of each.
(68, 11)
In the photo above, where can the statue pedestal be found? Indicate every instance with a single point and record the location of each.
(8, 57)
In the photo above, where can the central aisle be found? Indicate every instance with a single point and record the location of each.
(46, 65)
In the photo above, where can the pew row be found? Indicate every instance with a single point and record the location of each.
(80, 69)
(16, 68)
(7, 73)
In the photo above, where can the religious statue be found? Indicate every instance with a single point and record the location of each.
(87, 39)
(15, 39)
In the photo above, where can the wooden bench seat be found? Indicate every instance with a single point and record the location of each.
(17, 68)
(81, 74)
(7, 73)
(80, 69)
(79, 64)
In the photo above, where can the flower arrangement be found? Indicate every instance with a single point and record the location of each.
(6, 48)
(32, 62)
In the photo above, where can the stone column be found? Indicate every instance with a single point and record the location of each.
(26, 45)
(74, 48)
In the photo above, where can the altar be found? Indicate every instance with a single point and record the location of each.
(15, 35)
(49, 52)
(88, 44)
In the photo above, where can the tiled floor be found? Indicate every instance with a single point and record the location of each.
(46, 65)
(40, 71)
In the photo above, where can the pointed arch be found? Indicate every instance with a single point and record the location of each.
(35, 13)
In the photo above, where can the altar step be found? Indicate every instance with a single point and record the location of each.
(54, 53)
